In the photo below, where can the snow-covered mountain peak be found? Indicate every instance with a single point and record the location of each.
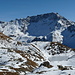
(32, 45)
(34, 27)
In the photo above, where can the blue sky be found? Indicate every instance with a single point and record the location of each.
(12, 9)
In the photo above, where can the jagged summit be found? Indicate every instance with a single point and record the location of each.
(41, 16)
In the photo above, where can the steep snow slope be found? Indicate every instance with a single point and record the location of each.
(44, 27)
(69, 36)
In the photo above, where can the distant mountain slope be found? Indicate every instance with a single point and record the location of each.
(44, 27)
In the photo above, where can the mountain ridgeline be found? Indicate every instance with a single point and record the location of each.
(45, 27)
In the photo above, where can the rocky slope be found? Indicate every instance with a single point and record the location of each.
(34, 58)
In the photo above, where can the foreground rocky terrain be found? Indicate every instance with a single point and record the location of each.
(35, 58)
